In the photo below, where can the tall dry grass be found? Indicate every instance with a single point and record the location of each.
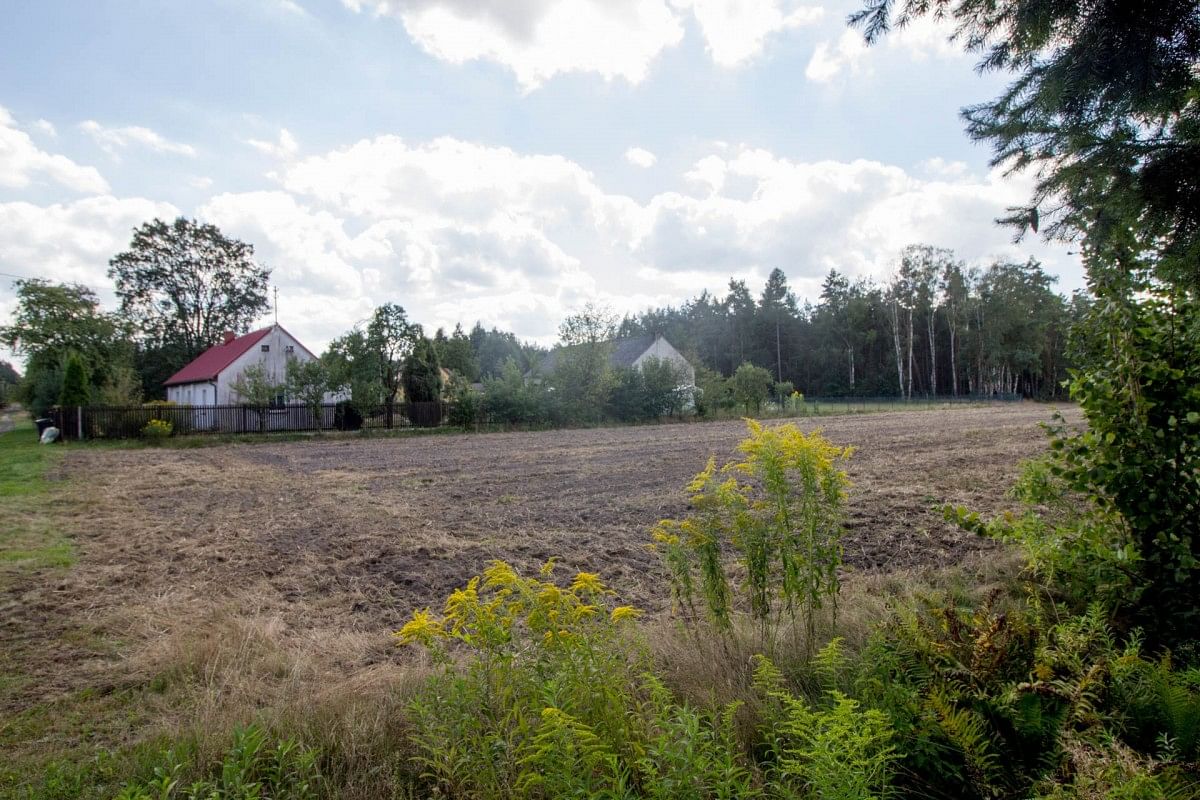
(214, 670)
(707, 669)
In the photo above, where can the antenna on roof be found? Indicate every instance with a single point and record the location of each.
(276, 305)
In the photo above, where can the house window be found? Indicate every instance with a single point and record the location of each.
(289, 349)
(266, 348)
(278, 401)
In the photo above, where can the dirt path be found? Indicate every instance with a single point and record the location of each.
(335, 536)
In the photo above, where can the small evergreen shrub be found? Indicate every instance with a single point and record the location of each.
(347, 417)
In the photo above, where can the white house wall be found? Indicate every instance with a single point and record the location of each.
(664, 351)
(275, 360)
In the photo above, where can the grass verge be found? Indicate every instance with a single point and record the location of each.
(28, 540)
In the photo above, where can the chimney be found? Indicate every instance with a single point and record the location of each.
(228, 337)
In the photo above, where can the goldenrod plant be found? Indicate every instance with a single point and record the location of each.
(779, 510)
(157, 429)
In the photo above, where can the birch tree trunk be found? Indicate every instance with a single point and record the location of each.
(953, 356)
(910, 353)
(930, 326)
(896, 342)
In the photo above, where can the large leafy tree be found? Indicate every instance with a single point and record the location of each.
(390, 340)
(183, 283)
(53, 322)
(353, 368)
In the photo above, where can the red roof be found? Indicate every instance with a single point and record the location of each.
(206, 366)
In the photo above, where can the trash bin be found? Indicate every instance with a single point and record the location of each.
(42, 424)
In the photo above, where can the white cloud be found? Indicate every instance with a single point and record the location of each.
(200, 182)
(113, 139)
(71, 242)
(735, 31)
(922, 39)
(46, 127)
(640, 157)
(538, 39)
(832, 57)
(754, 210)
(285, 148)
(22, 162)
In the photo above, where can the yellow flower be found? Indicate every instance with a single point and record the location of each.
(583, 610)
(461, 603)
(622, 613)
(499, 574)
(587, 582)
(422, 628)
(663, 534)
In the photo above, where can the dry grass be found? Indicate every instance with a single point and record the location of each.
(225, 668)
(708, 670)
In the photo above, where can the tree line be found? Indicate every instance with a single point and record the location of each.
(936, 327)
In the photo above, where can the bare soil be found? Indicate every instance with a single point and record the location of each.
(336, 537)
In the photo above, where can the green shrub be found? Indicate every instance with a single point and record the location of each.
(751, 387)
(422, 374)
(714, 392)
(510, 400)
(252, 768)
(347, 416)
(1074, 547)
(841, 752)
(466, 406)
(75, 390)
(1139, 455)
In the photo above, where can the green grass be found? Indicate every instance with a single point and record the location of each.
(29, 540)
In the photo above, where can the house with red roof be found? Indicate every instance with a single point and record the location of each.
(208, 379)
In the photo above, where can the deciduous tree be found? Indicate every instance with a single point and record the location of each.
(183, 283)
(581, 376)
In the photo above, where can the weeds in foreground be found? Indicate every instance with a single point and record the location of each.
(780, 510)
(554, 697)
(251, 769)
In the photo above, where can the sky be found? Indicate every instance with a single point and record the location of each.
(502, 161)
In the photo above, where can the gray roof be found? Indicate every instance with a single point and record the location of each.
(623, 352)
